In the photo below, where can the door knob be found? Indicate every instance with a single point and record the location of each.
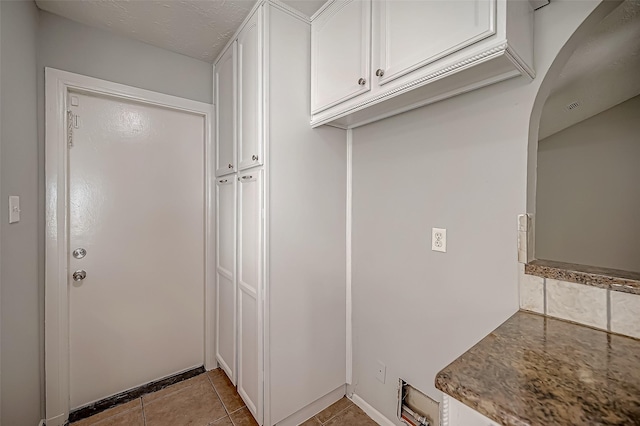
(230, 166)
(362, 82)
(79, 253)
(79, 275)
(380, 73)
(254, 157)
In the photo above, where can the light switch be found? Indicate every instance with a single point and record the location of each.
(14, 209)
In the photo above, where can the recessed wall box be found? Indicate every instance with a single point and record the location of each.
(415, 408)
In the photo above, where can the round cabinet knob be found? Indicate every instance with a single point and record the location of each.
(254, 157)
(79, 275)
(230, 166)
(362, 82)
(380, 73)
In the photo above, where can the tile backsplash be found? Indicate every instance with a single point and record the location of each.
(601, 308)
(625, 314)
(531, 292)
(576, 302)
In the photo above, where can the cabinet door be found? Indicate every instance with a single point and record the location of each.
(225, 90)
(250, 308)
(409, 34)
(340, 53)
(455, 413)
(226, 275)
(250, 93)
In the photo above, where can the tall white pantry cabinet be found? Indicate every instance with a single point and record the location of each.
(280, 222)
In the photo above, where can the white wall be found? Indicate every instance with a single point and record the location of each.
(460, 164)
(588, 203)
(32, 40)
(21, 313)
(70, 46)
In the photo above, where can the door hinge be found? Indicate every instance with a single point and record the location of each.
(73, 122)
(69, 129)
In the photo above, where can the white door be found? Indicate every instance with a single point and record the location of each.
(410, 34)
(250, 264)
(340, 53)
(226, 274)
(225, 92)
(136, 194)
(250, 94)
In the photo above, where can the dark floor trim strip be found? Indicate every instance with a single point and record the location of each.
(131, 394)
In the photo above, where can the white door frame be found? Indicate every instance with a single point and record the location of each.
(57, 85)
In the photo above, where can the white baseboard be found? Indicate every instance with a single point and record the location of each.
(58, 420)
(314, 408)
(376, 415)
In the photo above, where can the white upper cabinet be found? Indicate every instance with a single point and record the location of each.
(250, 94)
(225, 87)
(239, 98)
(420, 52)
(411, 34)
(340, 60)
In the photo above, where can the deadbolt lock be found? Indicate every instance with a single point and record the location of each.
(79, 253)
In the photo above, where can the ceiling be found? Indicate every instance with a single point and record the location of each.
(602, 72)
(196, 28)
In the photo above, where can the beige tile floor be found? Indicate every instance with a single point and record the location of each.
(342, 413)
(209, 399)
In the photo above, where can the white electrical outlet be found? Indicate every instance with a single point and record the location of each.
(381, 372)
(439, 239)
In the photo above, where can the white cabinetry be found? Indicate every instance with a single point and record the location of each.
(239, 213)
(412, 34)
(341, 39)
(455, 413)
(280, 222)
(250, 317)
(239, 99)
(226, 275)
(420, 52)
(224, 76)
(250, 94)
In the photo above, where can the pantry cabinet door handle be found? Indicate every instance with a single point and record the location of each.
(362, 82)
(223, 181)
(380, 72)
(254, 157)
(247, 177)
(230, 166)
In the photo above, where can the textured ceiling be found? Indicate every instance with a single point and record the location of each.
(196, 28)
(308, 7)
(603, 71)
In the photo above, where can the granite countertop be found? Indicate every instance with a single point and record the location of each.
(535, 370)
(613, 279)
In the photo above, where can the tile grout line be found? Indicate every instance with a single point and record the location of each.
(144, 417)
(236, 410)
(215, 391)
(336, 415)
(544, 295)
(608, 310)
(224, 406)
